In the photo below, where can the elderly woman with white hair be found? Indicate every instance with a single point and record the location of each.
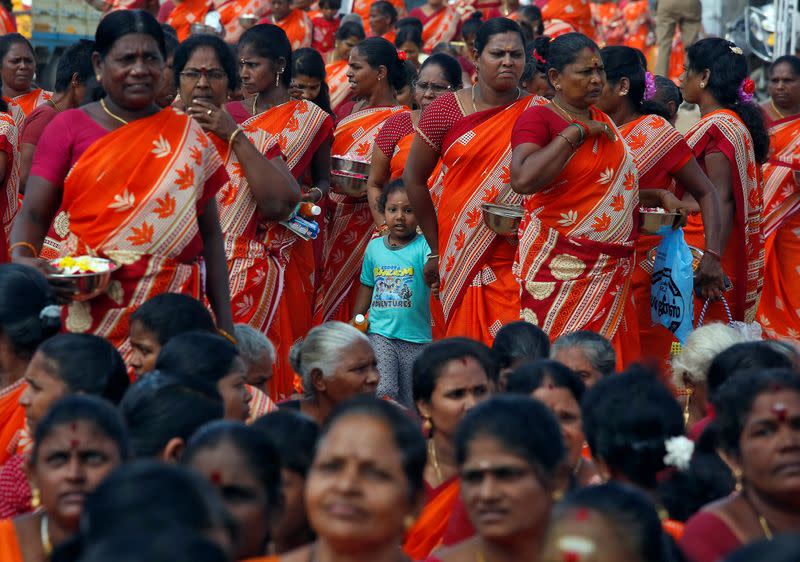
(335, 362)
(258, 355)
(690, 367)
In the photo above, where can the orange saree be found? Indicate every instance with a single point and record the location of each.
(361, 7)
(12, 419)
(230, 11)
(7, 22)
(743, 256)
(185, 13)
(658, 151)
(577, 13)
(298, 28)
(439, 28)
(338, 85)
(271, 269)
(577, 244)
(349, 224)
(30, 101)
(779, 309)
(142, 212)
(609, 23)
(637, 23)
(10, 550)
(429, 530)
(477, 287)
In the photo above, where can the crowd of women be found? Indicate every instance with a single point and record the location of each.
(224, 398)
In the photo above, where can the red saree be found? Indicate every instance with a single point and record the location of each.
(658, 151)
(743, 257)
(12, 419)
(349, 224)
(576, 246)
(779, 308)
(7, 22)
(140, 211)
(477, 287)
(271, 270)
(9, 203)
(185, 13)
(338, 85)
(30, 101)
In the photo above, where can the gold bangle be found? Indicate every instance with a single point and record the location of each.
(27, 245)
(227, 336)
(234, 133)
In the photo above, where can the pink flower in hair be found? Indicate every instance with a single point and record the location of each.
(746, 90)
(649, 86)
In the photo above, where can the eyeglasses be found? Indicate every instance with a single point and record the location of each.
(213, 75)
(435, 88)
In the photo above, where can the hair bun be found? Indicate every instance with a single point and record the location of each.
(476, 15)
(50, 317)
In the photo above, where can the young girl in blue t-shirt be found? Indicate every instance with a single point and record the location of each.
(394, 293)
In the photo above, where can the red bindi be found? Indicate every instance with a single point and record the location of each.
(570, 556)
(74, 427)
(582, 514)
(215, 477)
(74, 444)
(780, 411)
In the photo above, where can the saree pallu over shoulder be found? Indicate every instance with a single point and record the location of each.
(230, 11)
(336, 77)
(429, 530)
(475, 170)
(349, 222)
(577, 242)
(781, 191)
(655, 146)
(185, 14)
(743, 258)
(141, 211)
(10, 198)
(440, 27)
(30, 101)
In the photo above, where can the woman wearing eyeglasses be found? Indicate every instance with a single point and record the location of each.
(440, 74)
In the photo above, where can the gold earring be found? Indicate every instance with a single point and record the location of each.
(558, 87)
(702, 85)
(427, 425)
(97, 77)
(689, 392)
(36, 498)
(737, 474)
(409, 522)
(625, 93)
(558, 495)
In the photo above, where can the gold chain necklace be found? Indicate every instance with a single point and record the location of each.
(435, 461)
(776, 110)
(475, 87)
(568, 114)
(55, 105)
(255, 101)
(112, 115)
(762, 521)
(44, 535)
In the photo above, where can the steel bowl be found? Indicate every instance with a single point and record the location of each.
(502, 219)
(650, 223)
(248, 20)
(201, 29)
(697, 255)
(349, 177)
(87, 285)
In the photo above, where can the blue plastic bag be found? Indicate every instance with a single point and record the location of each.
(671, 295)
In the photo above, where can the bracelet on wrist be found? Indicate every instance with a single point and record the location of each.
(318, 190)
(580, 132)
(432, 256)
(234, 133)
(571, 144)
(26, 245)
(714, 253)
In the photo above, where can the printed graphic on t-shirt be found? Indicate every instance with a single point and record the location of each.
(392, 287)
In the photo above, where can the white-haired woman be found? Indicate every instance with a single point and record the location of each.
(258, 355)
(335, 362)
(690, 368)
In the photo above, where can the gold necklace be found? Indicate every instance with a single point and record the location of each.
(112, 115)
(44, 534)
(55, 105)
(776, 110)
(435, 461)
(762, 521)
(255, 101)
(568, 114)
(475, 107)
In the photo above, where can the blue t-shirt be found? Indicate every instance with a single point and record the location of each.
(400, 307)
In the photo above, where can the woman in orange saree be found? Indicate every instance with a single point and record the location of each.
(730, 142)
(609, 21)
(347, 36)
(302, 132)
(293, 21)
(470, 131)
(185, 13)
(362, 8)
(779, 309)
(440, 73)
(230, 11)
(440, 23)
(17, 69)
(576, 239)
(155, 215)
(98, 444)
(666, 168)
(375, 73)
(576, 13)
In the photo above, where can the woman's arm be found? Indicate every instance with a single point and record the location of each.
(693, 179)
(363, 300)
(216, 266)
(26, 153)
(719, 172)
(421, 161)
(379, 174)
(321, 167)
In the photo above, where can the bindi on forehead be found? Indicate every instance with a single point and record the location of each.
(780, 411)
